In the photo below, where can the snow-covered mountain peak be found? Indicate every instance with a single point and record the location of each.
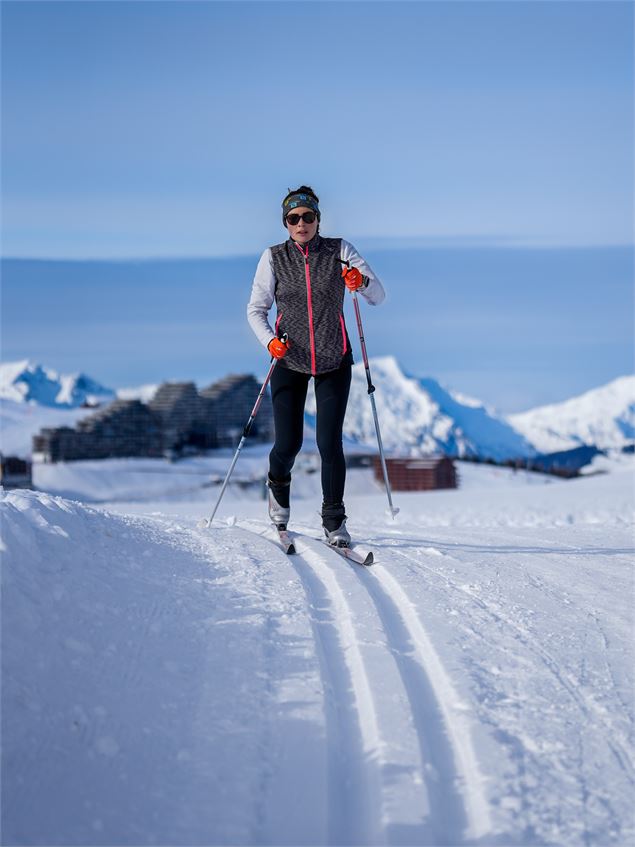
(604, 416)
(420, 416)
(10, 370)
(387, 366)
(26, 381)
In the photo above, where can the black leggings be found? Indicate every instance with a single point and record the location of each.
(288, 392)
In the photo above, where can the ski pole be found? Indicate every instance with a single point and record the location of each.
(207, 523)
(371, 391)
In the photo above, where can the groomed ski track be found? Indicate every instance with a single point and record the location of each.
(167, 684)
(590, 710)
(397, 740)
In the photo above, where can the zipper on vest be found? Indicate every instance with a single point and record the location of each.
(307, 274)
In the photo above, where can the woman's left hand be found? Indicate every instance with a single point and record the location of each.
(353, 278)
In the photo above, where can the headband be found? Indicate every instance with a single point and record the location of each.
(295, 200)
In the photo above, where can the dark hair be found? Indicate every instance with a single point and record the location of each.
(303, 189)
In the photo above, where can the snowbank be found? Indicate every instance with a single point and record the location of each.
(141, 679)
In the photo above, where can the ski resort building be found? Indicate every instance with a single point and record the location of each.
(176, 419)
(181, 412)
(229, 404)
(123, 428)
(417, 474)
(14, 472)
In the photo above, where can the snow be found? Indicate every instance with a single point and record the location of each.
(419, 416)
(20, 421)
(604, 416)
(165, 684)
(145, 393)
(27, 381)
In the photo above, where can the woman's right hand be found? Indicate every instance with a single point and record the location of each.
(277, 348)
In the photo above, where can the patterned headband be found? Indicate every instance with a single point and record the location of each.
(296, 200)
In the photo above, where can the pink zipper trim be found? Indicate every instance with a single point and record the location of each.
(278, 319)
(307, 274)
(343, 334)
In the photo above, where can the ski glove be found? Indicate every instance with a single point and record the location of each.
(353, 279)
(277, 348)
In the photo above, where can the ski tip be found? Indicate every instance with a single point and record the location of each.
(291, 551)
(369, 560)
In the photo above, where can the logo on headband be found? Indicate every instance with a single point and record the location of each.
(301, 200)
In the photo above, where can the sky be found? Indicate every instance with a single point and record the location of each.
(144, 129)
(480, 154)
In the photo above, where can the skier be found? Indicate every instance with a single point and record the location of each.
(307, 276)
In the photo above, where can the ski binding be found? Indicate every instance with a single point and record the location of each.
(360, 557)
(285, 539)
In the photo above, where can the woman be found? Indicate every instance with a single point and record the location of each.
(307, 276)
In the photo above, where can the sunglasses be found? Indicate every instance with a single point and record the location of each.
(294, 219)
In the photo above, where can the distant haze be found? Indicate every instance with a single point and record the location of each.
(514, 327)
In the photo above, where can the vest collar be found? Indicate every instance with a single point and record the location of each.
(313, 244)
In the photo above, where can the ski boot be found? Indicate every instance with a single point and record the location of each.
(334, 524)
(339, 537)
(279, 510)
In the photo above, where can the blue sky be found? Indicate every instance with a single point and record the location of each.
(147, 130)
(174, 128)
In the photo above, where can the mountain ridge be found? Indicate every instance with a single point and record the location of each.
(28, 381)
(604, 416)
(418, 415)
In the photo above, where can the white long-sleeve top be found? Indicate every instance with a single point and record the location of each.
(264, 288)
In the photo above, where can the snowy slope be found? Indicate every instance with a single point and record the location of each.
(145, 393)
(604, 417)
(419, 416)
(20, 421)
(165, 684)
(27, 381)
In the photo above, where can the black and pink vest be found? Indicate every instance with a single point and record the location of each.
(309, 297)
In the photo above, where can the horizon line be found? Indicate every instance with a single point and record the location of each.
(381, 243)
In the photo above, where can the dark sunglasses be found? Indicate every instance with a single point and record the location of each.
(294, 219)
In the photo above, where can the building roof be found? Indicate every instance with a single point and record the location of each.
(170, 394)
(116, 409)
(217, 389)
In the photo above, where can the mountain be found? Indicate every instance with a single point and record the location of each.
(604, 417)
(419, 416)
(28, 382)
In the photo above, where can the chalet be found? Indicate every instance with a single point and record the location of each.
(423, 473)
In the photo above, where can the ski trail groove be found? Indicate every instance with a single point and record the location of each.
(457, 805)
(355, 807)
(458, 809)
(589, 708)
(353, 741)
(432, 682)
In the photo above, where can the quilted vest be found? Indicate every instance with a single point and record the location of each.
(309, 296)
